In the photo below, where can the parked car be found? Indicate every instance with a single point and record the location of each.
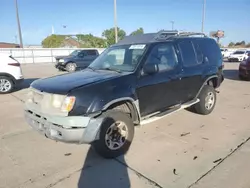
(238, 55)
(10, 73)
(244, 69)
(226, 52)
(78, 59)
(138, 80)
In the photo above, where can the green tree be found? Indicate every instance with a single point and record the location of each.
(231, 44)
(53, 41)
(138, 31)
(90, 41)
(109, 34)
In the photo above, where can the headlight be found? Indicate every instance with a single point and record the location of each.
(30, 96)
(61, 60)
(57, 101)
(68, 104)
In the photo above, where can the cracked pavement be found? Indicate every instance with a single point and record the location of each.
(181, 150)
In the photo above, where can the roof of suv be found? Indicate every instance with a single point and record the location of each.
(156, 37)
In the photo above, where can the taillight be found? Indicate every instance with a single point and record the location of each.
(14, 64)
(17, 64)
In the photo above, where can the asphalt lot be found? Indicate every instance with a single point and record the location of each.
(181, 150)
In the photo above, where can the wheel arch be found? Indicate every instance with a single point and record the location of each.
(211, 80)
(127, 105)
(9, 76)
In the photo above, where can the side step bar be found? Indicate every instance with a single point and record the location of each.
(160, 115)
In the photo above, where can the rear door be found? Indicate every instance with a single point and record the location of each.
(192, 67)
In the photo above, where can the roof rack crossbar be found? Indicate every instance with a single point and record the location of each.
(164, 34)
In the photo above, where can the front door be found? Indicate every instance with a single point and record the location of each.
(158, 91)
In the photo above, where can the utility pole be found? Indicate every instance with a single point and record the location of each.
(115, 22)
(172, 25)
(19, 26)
(203, 15)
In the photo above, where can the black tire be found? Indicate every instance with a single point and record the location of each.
(71, 67)
(110, 117)
(200, 107)
(10, 82)
(241, 77)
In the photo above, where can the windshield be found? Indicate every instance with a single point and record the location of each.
(239, 52)
(124, 58)
(74, 53)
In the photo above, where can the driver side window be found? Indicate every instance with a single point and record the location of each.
(164, 56)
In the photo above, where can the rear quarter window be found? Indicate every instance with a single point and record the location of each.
(91, 52)
(211, 50)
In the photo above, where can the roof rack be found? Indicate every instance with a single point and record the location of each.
(163, 34)
(191, 34)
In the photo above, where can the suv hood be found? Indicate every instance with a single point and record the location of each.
(62, 84)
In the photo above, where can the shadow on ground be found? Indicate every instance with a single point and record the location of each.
(231, 74)
(106, 173)
(25, 83)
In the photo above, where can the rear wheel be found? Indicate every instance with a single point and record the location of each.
(116, 134)
(207, 100)
(6, 84)
(71, 67)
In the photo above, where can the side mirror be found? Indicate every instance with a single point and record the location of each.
(150, 68)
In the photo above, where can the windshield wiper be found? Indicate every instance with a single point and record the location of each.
(111, 70)
(91, 68)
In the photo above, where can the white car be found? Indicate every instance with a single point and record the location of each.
(226, 52)
(10, 73)
(239, 55)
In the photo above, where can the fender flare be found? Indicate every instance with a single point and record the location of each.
(204, 83)
(135, 104)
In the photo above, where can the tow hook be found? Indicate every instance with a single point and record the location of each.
(217, 91)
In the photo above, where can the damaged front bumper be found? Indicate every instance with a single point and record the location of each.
(69, 129)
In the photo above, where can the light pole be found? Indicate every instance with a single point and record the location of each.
(203, 15)
(172, 25)
(19, 26)
(115, 22)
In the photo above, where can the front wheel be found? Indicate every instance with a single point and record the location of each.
(116, 134)
(207, 100)
(71, 67)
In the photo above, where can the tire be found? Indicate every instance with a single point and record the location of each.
(71, 67)
(6, 85)
(101, 145)
(204, 107)
(241, 77)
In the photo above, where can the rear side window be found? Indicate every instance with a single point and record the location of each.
(211, 50)
(187, 53)
(199, 55)
(91, 52)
